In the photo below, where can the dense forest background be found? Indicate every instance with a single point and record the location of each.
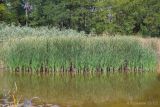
(92, 16)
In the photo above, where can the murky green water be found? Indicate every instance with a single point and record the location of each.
(107, 90)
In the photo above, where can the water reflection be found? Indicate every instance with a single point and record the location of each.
(110, 90)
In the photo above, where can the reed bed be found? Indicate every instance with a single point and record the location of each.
(79, 54)
(11, 31)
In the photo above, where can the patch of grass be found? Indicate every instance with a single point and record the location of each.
(80, 54)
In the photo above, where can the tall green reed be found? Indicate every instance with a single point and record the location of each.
(80, 53)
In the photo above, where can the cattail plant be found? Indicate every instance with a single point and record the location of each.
(98, 54)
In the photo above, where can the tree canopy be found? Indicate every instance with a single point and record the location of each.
(98, 16)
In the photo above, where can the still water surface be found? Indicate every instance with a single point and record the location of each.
(108, 90)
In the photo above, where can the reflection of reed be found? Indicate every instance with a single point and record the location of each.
(158, 69)
(66, 87)
(1, 66)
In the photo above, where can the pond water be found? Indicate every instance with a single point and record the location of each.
(106, 90)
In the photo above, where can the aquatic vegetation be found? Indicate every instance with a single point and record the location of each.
(10, 95)
(49, 49)
(10, 98)
(81, 54)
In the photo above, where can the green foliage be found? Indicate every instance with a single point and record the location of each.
(92, 53)
(5, 15)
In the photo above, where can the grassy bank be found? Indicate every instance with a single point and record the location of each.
(85, 54)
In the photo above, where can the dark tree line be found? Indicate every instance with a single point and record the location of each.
(97, 16)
